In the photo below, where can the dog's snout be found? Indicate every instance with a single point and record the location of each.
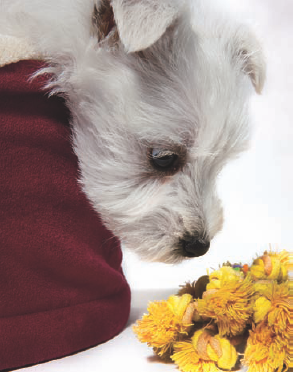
(195, 247)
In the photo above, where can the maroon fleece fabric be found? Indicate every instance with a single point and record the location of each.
(62, 288)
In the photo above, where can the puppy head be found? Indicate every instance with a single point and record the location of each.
(158, 108)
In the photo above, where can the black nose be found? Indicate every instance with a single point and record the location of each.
(195, 248)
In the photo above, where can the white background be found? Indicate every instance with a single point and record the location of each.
(256, 191)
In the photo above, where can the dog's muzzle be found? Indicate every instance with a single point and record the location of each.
(195, 247)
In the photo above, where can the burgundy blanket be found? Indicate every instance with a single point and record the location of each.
(61, 284)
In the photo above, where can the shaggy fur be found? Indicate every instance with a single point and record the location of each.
(171, 75)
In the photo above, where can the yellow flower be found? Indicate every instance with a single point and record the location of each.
(219, 278)
(265, 352)
(287, 259)
(258, 269)
(261, 287)
(229, 356)
(268, 346)
(187, 359)
(204, 353)
(261, 307)
(271, 266)
(163, 324)
(178, 304)
(272, 311)
(273, 306)
(286, 262)
(259, 298)
(279, 315)
(229, 306)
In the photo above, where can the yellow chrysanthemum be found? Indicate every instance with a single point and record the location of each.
(272, 266)
(261, 288)
(187, 359)
(229, 356)
(279, 314)
(163, 325)
(272, 335)
(287, 259)
(265, 352)
(273, 305)
(261, 308)
(229, 306)
(178, 305)
(260, 297)
(204, 353)
(225, 275)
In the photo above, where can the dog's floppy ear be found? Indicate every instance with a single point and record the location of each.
(251, 55)
(141, 23)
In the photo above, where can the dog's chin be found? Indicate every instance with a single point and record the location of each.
(172, 259)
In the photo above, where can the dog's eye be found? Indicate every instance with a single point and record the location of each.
(163, 159)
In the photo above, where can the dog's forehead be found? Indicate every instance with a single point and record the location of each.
(190, 87)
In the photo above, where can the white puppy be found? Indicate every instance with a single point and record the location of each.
(159, 92)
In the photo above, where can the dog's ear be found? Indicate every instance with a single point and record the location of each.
(141, 23)
(249, 52)
(104, 27)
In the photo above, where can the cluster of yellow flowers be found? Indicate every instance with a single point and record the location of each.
(241, 316)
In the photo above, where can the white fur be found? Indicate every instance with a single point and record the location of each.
(14, 49)
(190, 90)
